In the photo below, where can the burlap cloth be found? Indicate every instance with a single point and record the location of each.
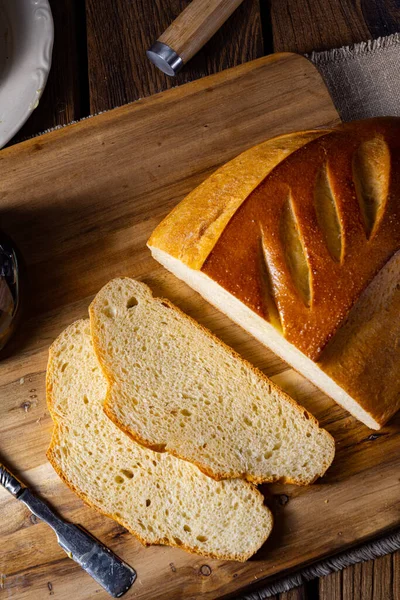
(364, 81)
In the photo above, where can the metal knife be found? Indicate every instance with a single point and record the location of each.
(114, 575)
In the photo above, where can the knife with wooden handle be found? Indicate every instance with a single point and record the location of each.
(114, 575)
(189, 32)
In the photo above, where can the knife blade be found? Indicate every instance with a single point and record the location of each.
(113, 574)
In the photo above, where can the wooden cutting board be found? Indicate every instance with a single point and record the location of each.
(81, 203)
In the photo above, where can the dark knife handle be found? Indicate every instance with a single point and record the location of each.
(110, 571)
(10, 483)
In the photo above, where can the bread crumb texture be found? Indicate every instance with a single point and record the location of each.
(157, 497)
(173, 386)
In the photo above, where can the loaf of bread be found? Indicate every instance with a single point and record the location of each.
(298, 241)
(158, 498)
(175, 387)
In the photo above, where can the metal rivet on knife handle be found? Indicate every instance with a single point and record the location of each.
(189, 32)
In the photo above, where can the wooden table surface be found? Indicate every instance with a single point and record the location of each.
(99, 62)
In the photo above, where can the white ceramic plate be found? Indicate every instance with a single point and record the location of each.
(26, 43)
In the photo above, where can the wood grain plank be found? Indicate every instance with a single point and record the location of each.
(357, 581)
(366, 580)
(396, 575)
(305, 25)
(383, 578)
(118, 39)
(381, 18)
(65, 97)
(299, 593)
(330, 587)
(372, 580)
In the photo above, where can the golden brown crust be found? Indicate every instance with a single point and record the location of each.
(192, 229)
(256, 235)
(160, 447)
(252, 257)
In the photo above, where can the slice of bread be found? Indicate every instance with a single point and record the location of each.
(175, 387)
(158, 498)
